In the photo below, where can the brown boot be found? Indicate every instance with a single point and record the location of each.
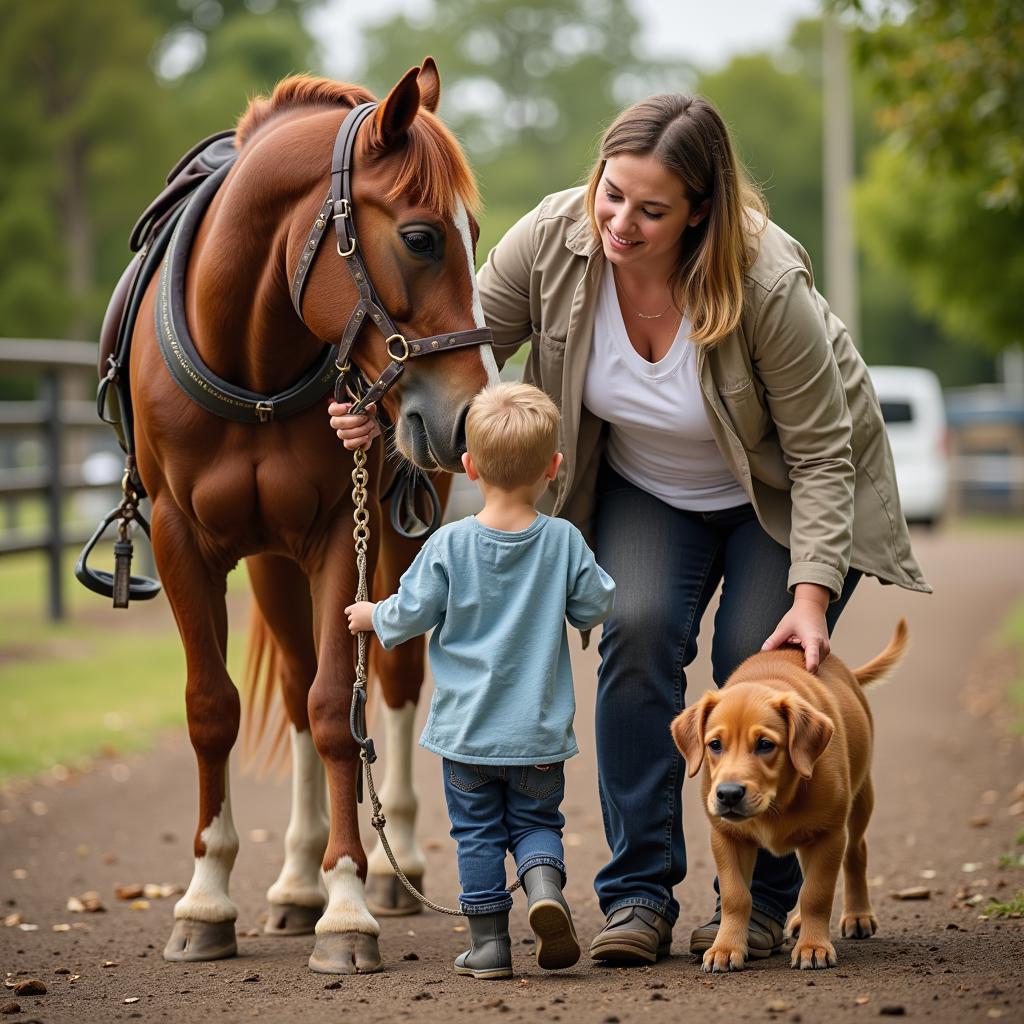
(632, 935)
(765, 935)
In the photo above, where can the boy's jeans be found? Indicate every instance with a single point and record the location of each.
(499, 808)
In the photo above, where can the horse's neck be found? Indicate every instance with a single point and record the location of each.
(239, 309)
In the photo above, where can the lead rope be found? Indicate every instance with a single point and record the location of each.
(361, 535)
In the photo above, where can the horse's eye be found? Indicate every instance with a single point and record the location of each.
(419, 243)
(763, 746)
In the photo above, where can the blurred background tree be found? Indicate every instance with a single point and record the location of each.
(98, 100)
(942, 197)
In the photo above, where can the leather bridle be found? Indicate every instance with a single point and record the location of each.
(338, 207)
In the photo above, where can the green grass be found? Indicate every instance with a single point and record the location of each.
(104, 680)
(1011, 635)
(1013, 907)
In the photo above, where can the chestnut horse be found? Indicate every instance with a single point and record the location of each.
(278, 493)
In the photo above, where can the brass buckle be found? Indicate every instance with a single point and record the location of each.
(265, 411)
(405, 348)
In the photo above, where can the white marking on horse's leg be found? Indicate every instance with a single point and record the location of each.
(300, 882)
(461, 221)
(346, 902)
(398, 795)
(206, 898)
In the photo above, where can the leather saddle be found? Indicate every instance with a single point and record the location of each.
(148, 240)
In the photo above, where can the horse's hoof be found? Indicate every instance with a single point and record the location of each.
(201, 940)
(291, 919)
(345, 953)
(387, 897)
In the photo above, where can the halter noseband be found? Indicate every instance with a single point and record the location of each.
(368, 307)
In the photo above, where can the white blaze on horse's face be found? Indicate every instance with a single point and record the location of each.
(461, 221)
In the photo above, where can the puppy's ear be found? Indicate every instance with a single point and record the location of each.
(688, 731)
(809, 731)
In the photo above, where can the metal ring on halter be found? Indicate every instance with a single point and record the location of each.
(348, 252)
(405, 346)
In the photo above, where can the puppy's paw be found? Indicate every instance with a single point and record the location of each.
(860, 925)
(813, 956)
(719, 959)
(793, 928)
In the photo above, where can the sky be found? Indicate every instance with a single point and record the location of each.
(705, 32)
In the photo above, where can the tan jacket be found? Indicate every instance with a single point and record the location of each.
(787, 395)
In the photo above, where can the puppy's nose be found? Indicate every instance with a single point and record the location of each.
(729, 794)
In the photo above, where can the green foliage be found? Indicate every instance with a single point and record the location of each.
(943, 200)
(1013, 907)
(528, 88)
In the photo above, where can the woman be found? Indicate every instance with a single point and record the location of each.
(718, 427)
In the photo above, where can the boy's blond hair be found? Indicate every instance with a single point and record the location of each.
(511, 433)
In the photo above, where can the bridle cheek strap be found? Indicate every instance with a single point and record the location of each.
(337, 207)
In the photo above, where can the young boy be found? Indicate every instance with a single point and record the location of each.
(497, 588)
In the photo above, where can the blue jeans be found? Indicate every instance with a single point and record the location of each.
(667, 564)
(499, 808)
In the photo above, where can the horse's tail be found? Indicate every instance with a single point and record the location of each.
(264, 721)
(879, 668)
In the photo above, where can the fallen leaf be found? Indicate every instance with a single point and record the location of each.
(128, 892)
(12, 919)
(914, 892)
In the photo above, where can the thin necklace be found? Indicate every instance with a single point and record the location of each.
(643, 316)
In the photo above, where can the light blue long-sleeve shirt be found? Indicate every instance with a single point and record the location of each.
(498, 603)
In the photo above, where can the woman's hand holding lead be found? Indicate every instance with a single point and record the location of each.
(354, 431)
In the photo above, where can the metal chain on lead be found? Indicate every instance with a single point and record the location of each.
(361, 535)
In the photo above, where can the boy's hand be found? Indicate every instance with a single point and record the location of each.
(360, 616)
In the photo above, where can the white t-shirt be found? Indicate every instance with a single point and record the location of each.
(659, 437)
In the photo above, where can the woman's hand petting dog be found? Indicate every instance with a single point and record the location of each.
(804, 625)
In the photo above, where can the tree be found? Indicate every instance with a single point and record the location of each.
(90, 130)
(528, 87)
(944, 197)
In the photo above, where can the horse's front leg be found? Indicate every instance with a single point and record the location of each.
(346, 934)
(204, 927)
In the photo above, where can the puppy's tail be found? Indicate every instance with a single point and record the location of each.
(879, 668)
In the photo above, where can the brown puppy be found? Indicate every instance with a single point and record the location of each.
(787, 758)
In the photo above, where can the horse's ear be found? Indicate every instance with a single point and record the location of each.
(429, 81)
(396, 113)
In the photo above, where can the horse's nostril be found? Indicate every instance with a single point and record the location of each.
(730, 793)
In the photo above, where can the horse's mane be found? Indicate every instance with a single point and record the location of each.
(433, 166)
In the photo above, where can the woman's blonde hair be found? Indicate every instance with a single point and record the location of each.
(511, 433)
(687, 135)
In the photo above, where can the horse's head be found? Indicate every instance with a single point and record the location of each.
(413, 199)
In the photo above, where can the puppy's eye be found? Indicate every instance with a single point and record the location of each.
(763, 746)
(715, 746)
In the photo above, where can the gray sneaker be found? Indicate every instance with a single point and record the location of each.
(633, 935)
(765, 935)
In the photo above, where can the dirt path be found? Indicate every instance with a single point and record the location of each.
(948, 778)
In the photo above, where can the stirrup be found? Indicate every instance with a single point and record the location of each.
(119, 585)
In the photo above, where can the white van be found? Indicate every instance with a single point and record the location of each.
(915, 420)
